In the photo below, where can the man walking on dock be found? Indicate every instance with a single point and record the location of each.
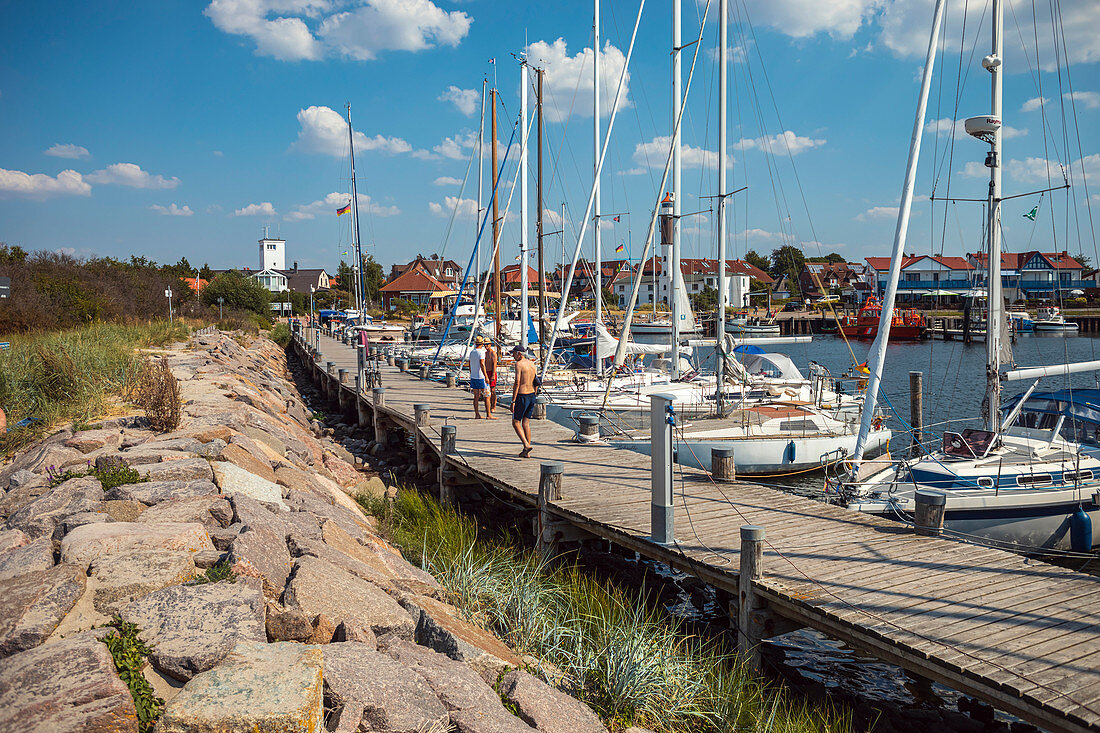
(478, 382)
(523, 399)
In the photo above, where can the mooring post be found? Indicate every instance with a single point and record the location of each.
(360, 364)
(749, 630)
(916, 409)
(379, 397)
(661, 420)
(550, 473)
(389, 359)
(423, 419)
(402, 365)
(928, 513)
(360, 407)
(588, 428)
(341, 398)
(539, 413)
(448, 437)
(722, 466)
(424, 368)
(452, 379)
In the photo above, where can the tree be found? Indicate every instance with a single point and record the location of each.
(205, 273)
(1085, 260)
(240, 292)
(832, 258)
(757, 260)
(373, 278)
(705, 300)
(788, 261)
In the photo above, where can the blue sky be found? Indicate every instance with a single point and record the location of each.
(183, 129)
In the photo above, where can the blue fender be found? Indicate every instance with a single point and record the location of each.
(789, 454)
(1080, 531)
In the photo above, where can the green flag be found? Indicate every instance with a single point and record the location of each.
(1031, 214)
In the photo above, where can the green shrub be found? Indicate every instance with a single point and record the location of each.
(281, 335)
(215, 574)
(238, 292)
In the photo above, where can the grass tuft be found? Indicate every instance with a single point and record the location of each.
(129, 653)
(618, 651)
(216, 574)
(158, 393)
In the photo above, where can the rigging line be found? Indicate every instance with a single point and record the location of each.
(1036, 72)
(777, 193)
(474, 152)
(1077, 133)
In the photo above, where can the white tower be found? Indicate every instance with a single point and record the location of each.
(272, 253)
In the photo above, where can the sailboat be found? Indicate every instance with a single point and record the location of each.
(1030, 479)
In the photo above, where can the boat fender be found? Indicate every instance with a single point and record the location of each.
(789, 455)
(1080, 531)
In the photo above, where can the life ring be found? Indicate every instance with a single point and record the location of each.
(877, 422)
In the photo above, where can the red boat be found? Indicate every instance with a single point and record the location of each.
(906, 325)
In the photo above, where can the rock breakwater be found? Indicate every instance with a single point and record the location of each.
(267, 599)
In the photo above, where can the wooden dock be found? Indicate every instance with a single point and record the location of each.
(1019, 634)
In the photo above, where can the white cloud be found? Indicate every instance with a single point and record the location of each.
(219, 154)
(393, 25)
(781, 143)
(465, 100)
(1033, 104)
(803, 18)
(325, 131)
(172, 210)
(567, 83)
(467, 208)
(335, 200)
(1037, 170)
(67, 150)
(130, 174)
(1089, 100)
(878, 213)
(654, 153)
(455, 147)
(264, 209)
(40, 185)
(447, 181)
(551, 217)
(904, 26)
(759, 235)
(283, 37)
(956, 128)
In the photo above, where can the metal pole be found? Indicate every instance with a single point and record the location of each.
(675, 276)
(538, 219)
(991, 406)
(355, 211)
(480, 158)
(723, 288)
(660, 436)
(524, 78)
(597, 283)
(496, 223)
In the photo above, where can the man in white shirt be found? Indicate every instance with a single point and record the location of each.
(477, 379)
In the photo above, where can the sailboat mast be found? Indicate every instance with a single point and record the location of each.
(496, 220)
(357, 268)
(877, 357)
(597, 282)
(538, 217)
(523, 307)
(992, 404)
(675, 276)
(480, 173)
(723, 290)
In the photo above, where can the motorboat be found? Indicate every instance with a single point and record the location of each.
(907, 325)
(1050, 319)
(1021, 321)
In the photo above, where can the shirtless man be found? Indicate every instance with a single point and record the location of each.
(477, 379)
(523, 399)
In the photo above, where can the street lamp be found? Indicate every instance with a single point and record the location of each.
(220, 301)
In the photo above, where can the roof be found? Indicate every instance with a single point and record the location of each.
(882, 264)
(433, 267)
(196, 283)
(1015, 260)
(413, 281)
(700, 266)
(951, 263)
(300, 280)
(511, 274)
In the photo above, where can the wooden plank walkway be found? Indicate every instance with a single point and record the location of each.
(1020, 634)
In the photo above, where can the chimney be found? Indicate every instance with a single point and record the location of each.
(295, 266)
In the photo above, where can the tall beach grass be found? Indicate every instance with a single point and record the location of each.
(71, 375)
(617, 651)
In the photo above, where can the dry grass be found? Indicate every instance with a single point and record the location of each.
(158, 393)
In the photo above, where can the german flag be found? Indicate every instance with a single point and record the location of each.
(344, 209)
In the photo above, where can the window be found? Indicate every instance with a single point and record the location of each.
(271, 246)
(985, 482)
(1035, 479)
(1070, 477)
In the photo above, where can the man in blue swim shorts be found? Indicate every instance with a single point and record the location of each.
(523, 399)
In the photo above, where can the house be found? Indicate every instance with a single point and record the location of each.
(781, 288)
(446, 272)
(924, 275)
(511, 279)
(196, 283)
(416, 286)
(1035, 274)
(824, 278)
(307, 280)
(698, 274)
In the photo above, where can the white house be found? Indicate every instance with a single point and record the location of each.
(272, 253)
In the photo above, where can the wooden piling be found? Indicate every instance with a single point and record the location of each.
(751, 568)
(928, 512)
(916, 409)
(549, 490)
(722, 466)
(448, 437)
